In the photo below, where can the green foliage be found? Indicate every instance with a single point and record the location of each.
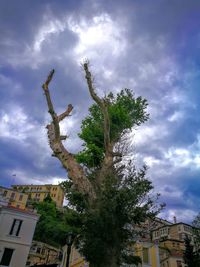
(196, 231)
(108, 226)
(48, 198)
(54, 224)
(130, 259)
(191, 257)
(122, 204)
(125, 112)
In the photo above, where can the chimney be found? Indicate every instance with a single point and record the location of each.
(174, 219)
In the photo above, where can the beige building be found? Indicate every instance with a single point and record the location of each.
(171, 242)
(13, 197)
(76, 260)
(39, 192)
(42, 253)
(16, 233)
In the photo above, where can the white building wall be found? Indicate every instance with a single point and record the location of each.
(21, 243)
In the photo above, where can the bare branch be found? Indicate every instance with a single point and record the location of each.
(75, 171)
(66, 113)
(103, 106)
(63, 137)
(50, 105)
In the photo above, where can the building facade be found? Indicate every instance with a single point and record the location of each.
(148, 253)
(16, 233)
(13, 197)
(171, 242)
(76, 260)
(42, 253)
(40, 192)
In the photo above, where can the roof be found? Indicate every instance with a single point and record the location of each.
(35, 185)
(171, 225)
(11, 189)
(24, 211)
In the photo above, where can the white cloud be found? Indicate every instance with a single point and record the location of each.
(46, 31)
(149, 134)
(98, 37)
(185, 156)
(176, 116)
(8, 84)
(15, 124)
(150, 161)
(27, 177)
(186, 215)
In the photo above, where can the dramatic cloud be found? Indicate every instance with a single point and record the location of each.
(151, 47)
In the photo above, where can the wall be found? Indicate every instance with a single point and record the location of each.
(21, 244)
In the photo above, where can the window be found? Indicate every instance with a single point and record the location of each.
(145, 255)
(38, 250)
(20, 197)
(43, 251)
(12, 196)
(6, 258)
(16, 226)
(5, 193)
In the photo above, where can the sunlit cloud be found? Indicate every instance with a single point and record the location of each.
(99, 36)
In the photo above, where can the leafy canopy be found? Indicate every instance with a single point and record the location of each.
(125, 111)
(54, 224)
(110, 226)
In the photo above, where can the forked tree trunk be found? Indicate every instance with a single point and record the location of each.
(74, 170)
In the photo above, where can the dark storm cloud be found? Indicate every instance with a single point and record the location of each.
(151, 47)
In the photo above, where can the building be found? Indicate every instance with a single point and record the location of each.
(42, 253)
(39, 192)
(16, 233)
(13, 197)
(171, 243)
(76, 260)
(148, 252)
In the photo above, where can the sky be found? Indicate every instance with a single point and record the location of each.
(152, 47)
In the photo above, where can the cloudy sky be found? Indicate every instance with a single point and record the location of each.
(152, 47)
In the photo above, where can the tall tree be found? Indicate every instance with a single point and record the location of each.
(196, 232)
(53, 223)
(111, 196)
(190, 256)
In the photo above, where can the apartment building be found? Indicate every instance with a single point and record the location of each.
(171, 242)
(16, 233)
(148, 252)
(76, 260)
(42, 253)
(39, 192)
(13, 197)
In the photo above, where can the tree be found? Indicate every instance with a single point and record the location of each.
(196, 231)
(110, 195)
(53, 224)
(191, 257)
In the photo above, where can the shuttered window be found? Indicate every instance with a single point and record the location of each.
(16, 226)
(7, 256)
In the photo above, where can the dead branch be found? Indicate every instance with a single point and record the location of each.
(107, 163)
(103, 106)
(75, 171)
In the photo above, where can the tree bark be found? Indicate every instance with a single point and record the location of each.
(107, 163)
(75, 171)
